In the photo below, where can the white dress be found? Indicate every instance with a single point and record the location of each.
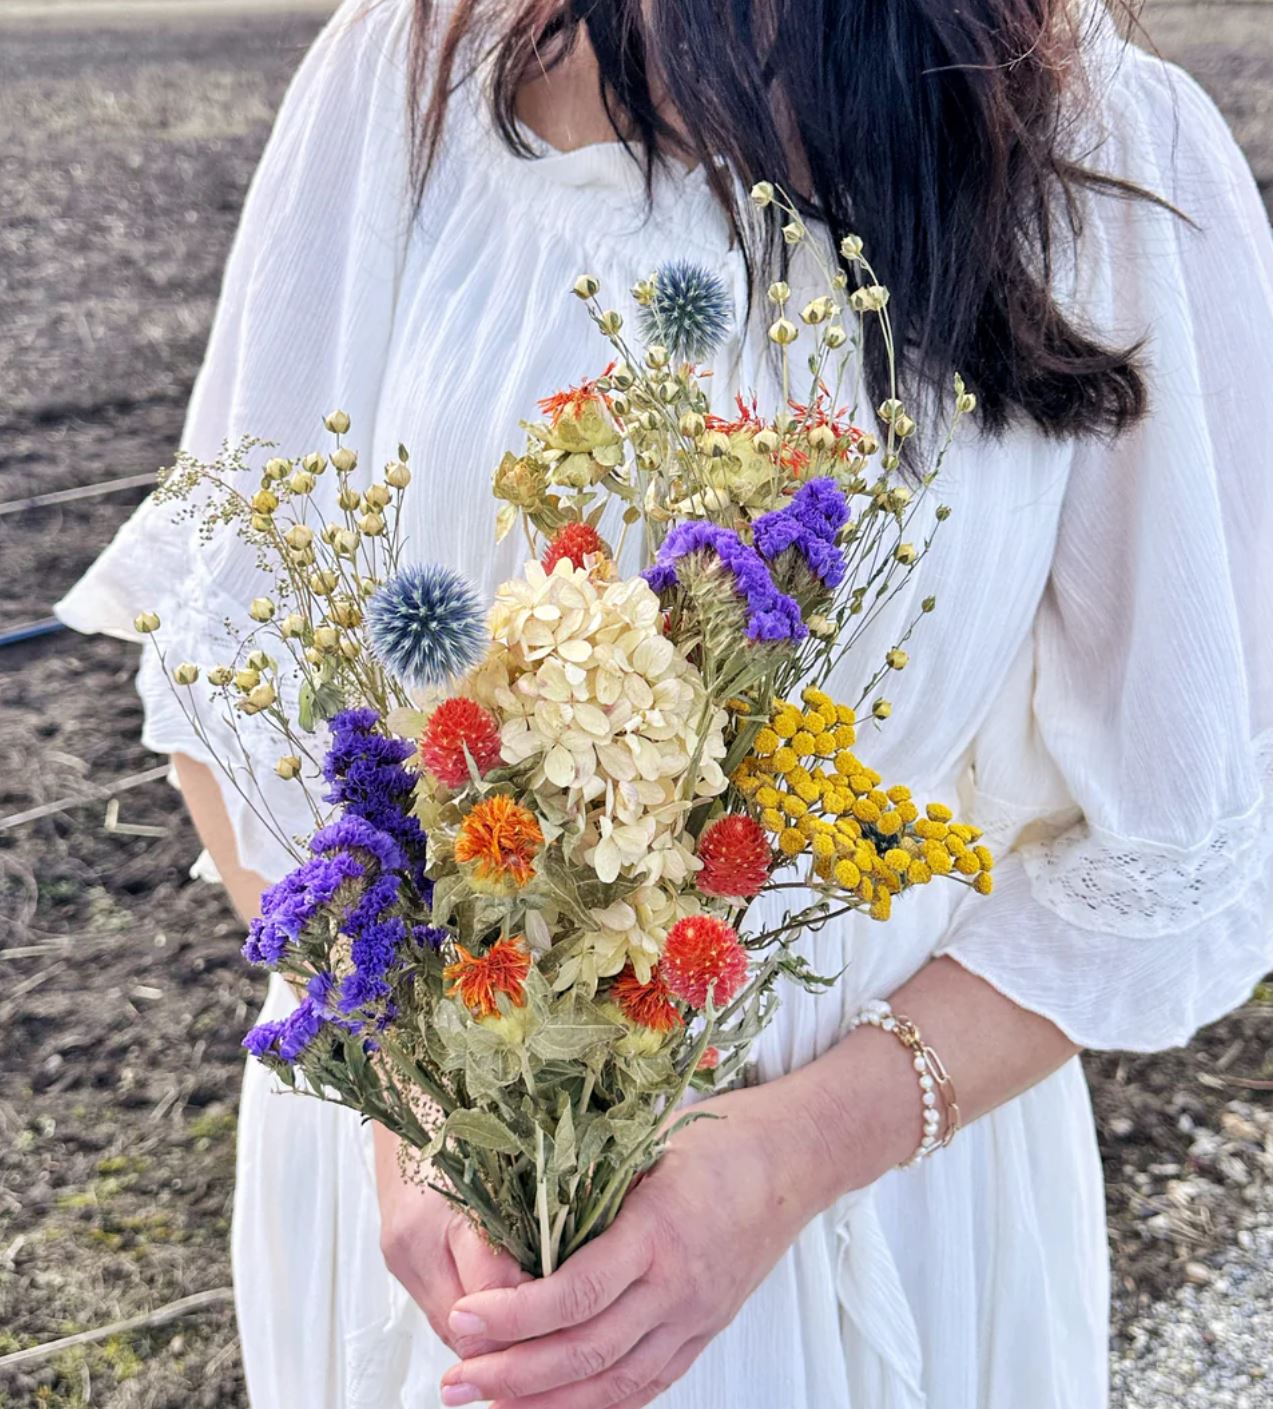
(1095, 686)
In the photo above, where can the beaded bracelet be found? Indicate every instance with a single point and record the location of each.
(935, 1084)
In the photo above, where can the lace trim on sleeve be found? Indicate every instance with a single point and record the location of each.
(1102, 882)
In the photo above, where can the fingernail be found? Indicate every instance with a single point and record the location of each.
(465, 1323)
(460, 1394)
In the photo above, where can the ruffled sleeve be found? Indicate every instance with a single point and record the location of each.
(1134, 905)
(303, 326)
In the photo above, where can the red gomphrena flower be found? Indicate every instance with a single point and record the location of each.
(455, 725)
(576, 541)
(710, 1059)
(646, 1004)
(703, 954)
(736, 858)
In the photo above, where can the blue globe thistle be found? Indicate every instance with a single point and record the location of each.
(426, 625)
(690, 312)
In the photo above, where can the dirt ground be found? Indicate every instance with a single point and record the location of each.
(124, 155)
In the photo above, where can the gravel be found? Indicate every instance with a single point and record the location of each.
(1206, 1344)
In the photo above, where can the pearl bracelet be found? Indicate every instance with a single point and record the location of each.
(937, 1090)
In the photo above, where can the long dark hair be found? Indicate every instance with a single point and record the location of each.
(938, 132)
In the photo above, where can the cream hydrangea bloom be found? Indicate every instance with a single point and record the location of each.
(632, 930)
(612, 717)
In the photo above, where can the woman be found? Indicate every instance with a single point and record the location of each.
(1069, 224)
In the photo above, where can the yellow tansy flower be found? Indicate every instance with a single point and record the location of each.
(890, 824)
(919, 873)
(984, 883)
(766, 742)
(823, 845)
(824, 744)
(939, 812)
(806, 789)
(794, 806)
(785, 759)
(984, 857)
(845, 736)
(847, 874)
(968, 865)
(938, 858)
(785, 725)
(819, 700)
(768, 796)
(791, 842)
(846, 714)
(773, 819)
(866, 811)
(882, 907)
(802, 741)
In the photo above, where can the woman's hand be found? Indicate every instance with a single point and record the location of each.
(431, 1248)
(627, 1315)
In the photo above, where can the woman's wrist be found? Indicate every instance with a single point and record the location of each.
(848, 1117)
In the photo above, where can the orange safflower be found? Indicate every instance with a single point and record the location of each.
(477, 978)
(646, 1004)
(574, 400)
(503, 839)
(748, 422)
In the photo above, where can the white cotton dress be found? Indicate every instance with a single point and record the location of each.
(1095, 687)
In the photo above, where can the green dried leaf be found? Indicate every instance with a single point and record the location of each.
(563, 1143)
(567, 1041)
(484, 1130)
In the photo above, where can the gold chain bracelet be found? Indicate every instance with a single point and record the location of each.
(937, 1089)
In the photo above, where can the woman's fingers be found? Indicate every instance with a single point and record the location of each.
(669, 1375)
(579, 1353)
(581, 1289)
(644, 1370)
(480, 1268)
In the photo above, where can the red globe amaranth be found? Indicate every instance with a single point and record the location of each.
(453, 726)
(736, 858)
(646, 1004)
(702, 951)
(576, 541)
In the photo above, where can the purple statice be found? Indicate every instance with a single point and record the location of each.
(821, 506)
(300, 1029)
(354, 833)
(289, 1037)
(373, 952)
(367, 777)
(430, 936)
(809, 525)
(263, 1038)
(288, 906)
(771, 614)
